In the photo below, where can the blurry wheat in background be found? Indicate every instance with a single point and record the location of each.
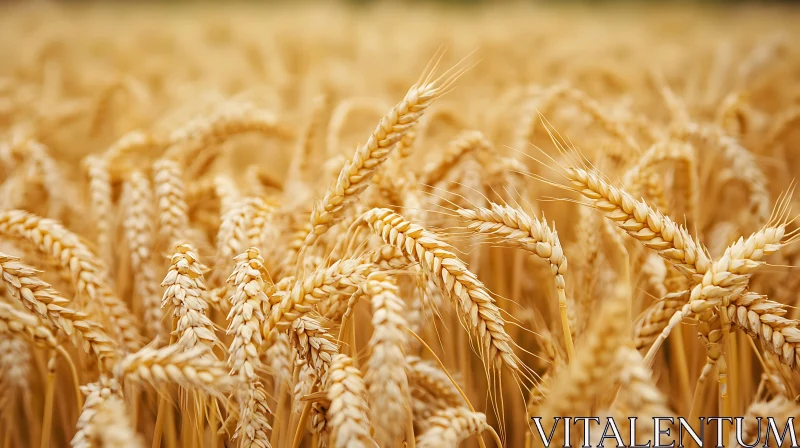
(312, 225)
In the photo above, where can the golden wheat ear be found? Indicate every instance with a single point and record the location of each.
(357, 173)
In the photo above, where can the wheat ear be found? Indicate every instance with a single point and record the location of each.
(252, 431)
(170, 194)
(764, 319)
(744, 166)
(430, 387)
(246, 316)
(650, 227)
(139, 234)
(172, 364)
(22, 323)
(342, 277)
(355, 176)
(780, 408)
(36, 295)
(727, 278)
(475, 306)
(186, 141)
(657, 317)
(574, 390)
(52, 239)
(316, 348)
(247, 313)
(136, 141)
(184, 288)
(347, 413)
(637, 177)
(104, 420)
(449, 427)
(464, 144)
(15, 361)
(638, 394)
(100, 201)
(516, 228)
(386, 378)
(242, 226)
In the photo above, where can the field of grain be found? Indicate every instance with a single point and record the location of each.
(330, 225)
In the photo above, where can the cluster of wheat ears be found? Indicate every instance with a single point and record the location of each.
(216, 230)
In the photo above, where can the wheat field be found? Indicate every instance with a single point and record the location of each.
(394, 225)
